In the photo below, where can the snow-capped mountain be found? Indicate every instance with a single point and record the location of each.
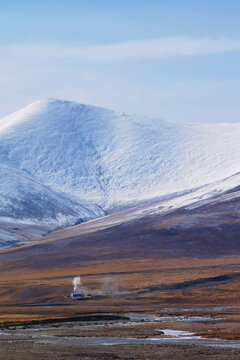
(63, 162)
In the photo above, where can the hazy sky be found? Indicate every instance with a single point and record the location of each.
(174, 59)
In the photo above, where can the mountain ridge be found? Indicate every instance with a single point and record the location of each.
(92, 159)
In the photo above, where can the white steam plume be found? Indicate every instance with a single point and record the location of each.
(108, 286)
(77, 284)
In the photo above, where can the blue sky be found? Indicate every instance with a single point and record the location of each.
(173, 59)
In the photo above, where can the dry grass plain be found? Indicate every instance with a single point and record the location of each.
(181, 260)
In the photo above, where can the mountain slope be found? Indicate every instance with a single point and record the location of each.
(76, 152)
(25, 200)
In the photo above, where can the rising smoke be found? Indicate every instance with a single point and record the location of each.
(107, 286)
(77, 284)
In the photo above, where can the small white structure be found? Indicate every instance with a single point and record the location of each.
(78, 291)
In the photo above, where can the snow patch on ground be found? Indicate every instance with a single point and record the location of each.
(176, 334)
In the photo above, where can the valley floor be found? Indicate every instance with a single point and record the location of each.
(169, 333)
(179, 271)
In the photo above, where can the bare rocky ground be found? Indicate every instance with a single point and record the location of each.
(29, 351)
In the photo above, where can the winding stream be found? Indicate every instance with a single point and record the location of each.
(44, 334)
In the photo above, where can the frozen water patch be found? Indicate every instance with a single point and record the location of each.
(179, 334)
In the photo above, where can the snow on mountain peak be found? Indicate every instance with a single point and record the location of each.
(106, 158)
